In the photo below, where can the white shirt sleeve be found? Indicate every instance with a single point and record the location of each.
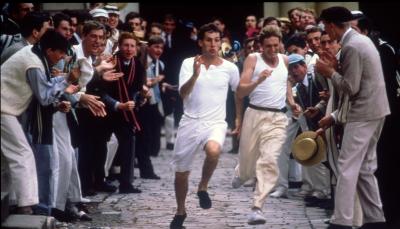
(186, 71)
(234, 77)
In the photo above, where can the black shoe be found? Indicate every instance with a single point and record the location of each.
(233, 151)
(82, 207)
(75, 213)
(310, 199)
(113, 177)
(337, 226)
(151, 176)
(129, 189)
(177, 222)
(327, 205)
(63, 216)
(41, 209)
(154, 153)
(89, 192)
(105, 187)
(84, 217)
(295, 184)
(170, 146)
(22, 210)
(204, 199)
(376, 225)
(317, 202)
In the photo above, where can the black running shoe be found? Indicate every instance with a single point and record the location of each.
(204, 199)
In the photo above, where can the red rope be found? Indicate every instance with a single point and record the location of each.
(122, 85)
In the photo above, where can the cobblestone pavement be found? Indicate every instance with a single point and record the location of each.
(155, 206)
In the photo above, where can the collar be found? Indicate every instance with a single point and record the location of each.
(165, 35)
(305, 80)
(150, 60)
(310, 52)
(79, 52)
(338, 54)
(78, 38)
(344, 35)
(81, 55)
(25, 41)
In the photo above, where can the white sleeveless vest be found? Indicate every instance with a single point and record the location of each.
(15, 90)
(271, 93)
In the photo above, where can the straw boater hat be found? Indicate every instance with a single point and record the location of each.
(308, 148)
(99, 13)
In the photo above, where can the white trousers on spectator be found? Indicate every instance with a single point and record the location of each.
(112, 147)
(357, 164)
(262, 136)
(67, 176)
(295, 171)
(284, 157)
(169, 128)
(333, 155)
(19, 157)
(316, 178)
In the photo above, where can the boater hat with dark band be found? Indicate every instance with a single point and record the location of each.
(308, 148)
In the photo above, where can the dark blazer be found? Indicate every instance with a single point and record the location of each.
(311, 98)
(181, 47)
(112, 90)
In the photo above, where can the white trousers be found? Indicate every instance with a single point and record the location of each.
(316, 178)
(21, 162)
(356, 166)
(284, 157)
(262, 136)
(333, 155)
(112, 147)
(68, 185)
(169, 128)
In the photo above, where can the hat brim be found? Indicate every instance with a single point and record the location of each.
(295, 62)
(357, 16)
(114, 12)
(318, 156)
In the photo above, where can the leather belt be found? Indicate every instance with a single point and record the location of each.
(283, 110)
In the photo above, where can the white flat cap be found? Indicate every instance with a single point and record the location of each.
(99, 13)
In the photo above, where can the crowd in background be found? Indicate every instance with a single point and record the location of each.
(86, 96)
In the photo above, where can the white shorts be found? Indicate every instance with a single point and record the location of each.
(192, 136)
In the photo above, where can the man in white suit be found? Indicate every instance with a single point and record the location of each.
(360, 78)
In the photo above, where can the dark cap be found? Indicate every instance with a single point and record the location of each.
(336, 14)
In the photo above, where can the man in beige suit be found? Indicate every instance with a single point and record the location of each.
(360, 78)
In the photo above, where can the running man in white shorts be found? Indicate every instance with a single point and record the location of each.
(203, 85)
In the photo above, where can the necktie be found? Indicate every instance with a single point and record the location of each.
(169, 40)
(304, 95)
(155, 90)
(155, 73)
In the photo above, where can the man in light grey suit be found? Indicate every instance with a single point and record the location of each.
(360, 79)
